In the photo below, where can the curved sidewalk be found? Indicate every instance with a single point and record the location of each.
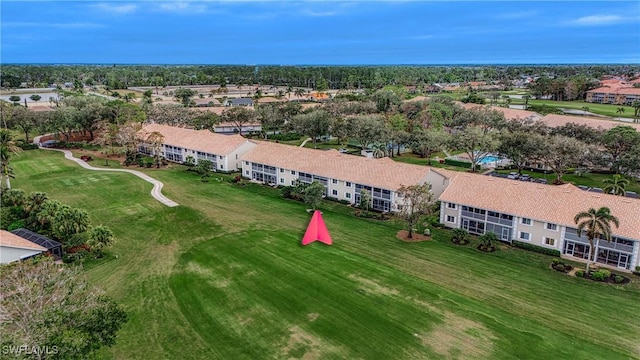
(156, 192)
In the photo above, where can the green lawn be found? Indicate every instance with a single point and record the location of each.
(223, 276)
(601, 109)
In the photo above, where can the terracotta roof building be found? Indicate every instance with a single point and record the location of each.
(224, 151)
(343, 175)
(541, 215)
(614, 92)
(14, 248)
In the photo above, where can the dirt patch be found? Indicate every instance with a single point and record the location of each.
(404, 236)
(302, 345)
(459, 338)
(373, 287)
(312, 316)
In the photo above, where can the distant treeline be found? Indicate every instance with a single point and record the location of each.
(316, 77)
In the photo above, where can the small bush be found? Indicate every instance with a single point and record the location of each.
(555, 261)
(559, 267)
(18, 224)
(463, 164)
(285, 137)
(580, 273)
(28, 146)
(534, 248)
(619, 279)
(601, 275)
(345, 202)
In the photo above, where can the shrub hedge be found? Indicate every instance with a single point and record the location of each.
(452, 162)
(534, 248)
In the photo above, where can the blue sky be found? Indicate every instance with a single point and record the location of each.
(320, 32)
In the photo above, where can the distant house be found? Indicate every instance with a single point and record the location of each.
(205, 102)
(230, 128)
(238, 102)
(52, 246)
(15, 248)
(319, 96)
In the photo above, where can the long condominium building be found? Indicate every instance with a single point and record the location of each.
(344, 176)
(224, 151)
(538, 214)
(541, 215)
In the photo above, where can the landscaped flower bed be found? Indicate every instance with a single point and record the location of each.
(560, 266)
(603, 275)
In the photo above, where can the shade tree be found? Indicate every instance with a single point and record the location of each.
(413, 202)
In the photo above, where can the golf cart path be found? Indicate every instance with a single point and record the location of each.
(156, 192)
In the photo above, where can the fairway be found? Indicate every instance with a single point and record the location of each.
(223, 276)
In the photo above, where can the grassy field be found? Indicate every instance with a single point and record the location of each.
(223, 276)
(601, 109)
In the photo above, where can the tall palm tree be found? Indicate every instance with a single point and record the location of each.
(636, 110)
(526, 98)
(596, 224)
(616, 186)
(7, 148)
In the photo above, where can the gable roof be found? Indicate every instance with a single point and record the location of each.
(199, 140)
(11, 240)
(548, 203)
(382, 173)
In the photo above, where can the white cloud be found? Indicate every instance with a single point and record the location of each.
(183, 7)
(117, 9)
(594, 20)
(422, 37)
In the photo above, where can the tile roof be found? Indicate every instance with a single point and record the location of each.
(11, 240)
(616, 90)
(383, 173)
(548, 203)
(200, 140)
(554, 120)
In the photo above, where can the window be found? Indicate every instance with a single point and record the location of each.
(334, 181)
(292, 181)
(281, 180)
(524, 236)
(221, 167)
(221, 157)
(293, 172)
(348, 184)
(236, 156)
(281, 170)
(348, 195)
(526, 221)
(451, 219)
(451, 205)
(246, 172)
(551, 226)
(334, 192)
(549, 241)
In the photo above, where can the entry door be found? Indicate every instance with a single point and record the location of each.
(568, 249)
(465, 224)
(505, 234)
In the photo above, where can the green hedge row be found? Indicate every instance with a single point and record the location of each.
(535, 248)
(459, 163)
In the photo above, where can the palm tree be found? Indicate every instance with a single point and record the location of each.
(585, 109)
(299, 92)
(526, 98)
(7, 147)
(596, 224)
(99, 238)
(636, 110)
(620, 110)
(616, 186)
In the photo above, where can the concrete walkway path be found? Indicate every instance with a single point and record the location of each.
(305, 142)
(156, 192)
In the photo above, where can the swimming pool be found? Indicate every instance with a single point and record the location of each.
(488, 160)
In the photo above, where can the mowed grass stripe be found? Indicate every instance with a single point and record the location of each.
(178, 273)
